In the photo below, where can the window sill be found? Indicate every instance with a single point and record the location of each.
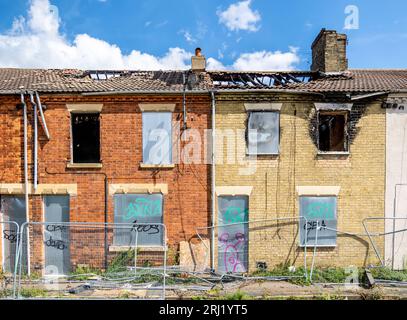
(140, 248)
(312, 246)
(270, 155)
(333, 153)
(84, 165)
(156, 166)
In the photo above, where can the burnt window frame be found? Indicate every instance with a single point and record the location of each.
(346, 127)
(72, 115)
(247, 133)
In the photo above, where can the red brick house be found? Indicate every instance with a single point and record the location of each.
(93, 167)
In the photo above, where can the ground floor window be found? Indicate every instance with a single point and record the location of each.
(233, 234)
(314, 212)
(145, 211)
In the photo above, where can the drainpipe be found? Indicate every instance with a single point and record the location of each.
(44, 124)
(27, 204)
(35, 141)
(213, 182)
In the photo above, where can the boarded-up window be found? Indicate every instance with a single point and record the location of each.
(233, 237)
(333, 132)
(143, 209)
(320, 213)
(157, 134)
(86, 138)
(263, 133)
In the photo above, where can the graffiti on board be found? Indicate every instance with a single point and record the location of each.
(319, 221)
(233, 234)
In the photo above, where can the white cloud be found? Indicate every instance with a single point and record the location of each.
(36, 42)
(266, 60)
(239, 16)
(213, 64)
(260, 61)
(188, 36)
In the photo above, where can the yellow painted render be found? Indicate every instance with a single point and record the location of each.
(359, 175)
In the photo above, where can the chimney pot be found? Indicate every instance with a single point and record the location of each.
(198, 62)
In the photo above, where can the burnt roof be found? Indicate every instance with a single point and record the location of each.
(13, 80)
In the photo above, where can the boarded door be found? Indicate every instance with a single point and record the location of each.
(56, 236)
(233, 234)
(12, 209)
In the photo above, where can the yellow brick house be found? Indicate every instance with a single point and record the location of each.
(300, 161)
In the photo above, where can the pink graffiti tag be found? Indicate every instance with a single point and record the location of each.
(231, 252)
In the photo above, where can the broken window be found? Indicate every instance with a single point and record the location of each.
(157, 133)
(332, 130)
(145, 211)
(318, 221)
(263, 133)
(86, 138)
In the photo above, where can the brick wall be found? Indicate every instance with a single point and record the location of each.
(359, 175)
(187, 204)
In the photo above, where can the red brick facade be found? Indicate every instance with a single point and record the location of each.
(187, 204)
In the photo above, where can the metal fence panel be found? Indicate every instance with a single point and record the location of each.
(268, 235)
(94, 267)
(8, 243)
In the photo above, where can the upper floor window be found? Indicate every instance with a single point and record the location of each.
(263, 133)
(157, 138)
(332, 131)
(85, 137)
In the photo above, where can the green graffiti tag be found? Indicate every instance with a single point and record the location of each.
(320, 210)
(142, 207)
(234, 215)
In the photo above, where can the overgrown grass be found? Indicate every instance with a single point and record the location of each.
(33, 292)
(320, 275)
(83, 273)
(388, 274)
(121, 261)
(6, 293)
(295, 277)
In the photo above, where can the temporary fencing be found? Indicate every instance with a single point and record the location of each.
(92, 260)
(10, 232)
(288, 236)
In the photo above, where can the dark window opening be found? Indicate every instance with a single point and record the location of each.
(332, 132)
(86, 138)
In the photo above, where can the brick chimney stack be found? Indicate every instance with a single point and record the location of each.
(329, 52)
(198, 62)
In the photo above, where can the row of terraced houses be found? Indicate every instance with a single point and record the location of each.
(244, 169)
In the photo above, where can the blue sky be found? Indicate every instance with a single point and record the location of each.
(234, 34)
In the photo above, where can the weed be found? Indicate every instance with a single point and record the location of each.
(33, 292)
(121, 261)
